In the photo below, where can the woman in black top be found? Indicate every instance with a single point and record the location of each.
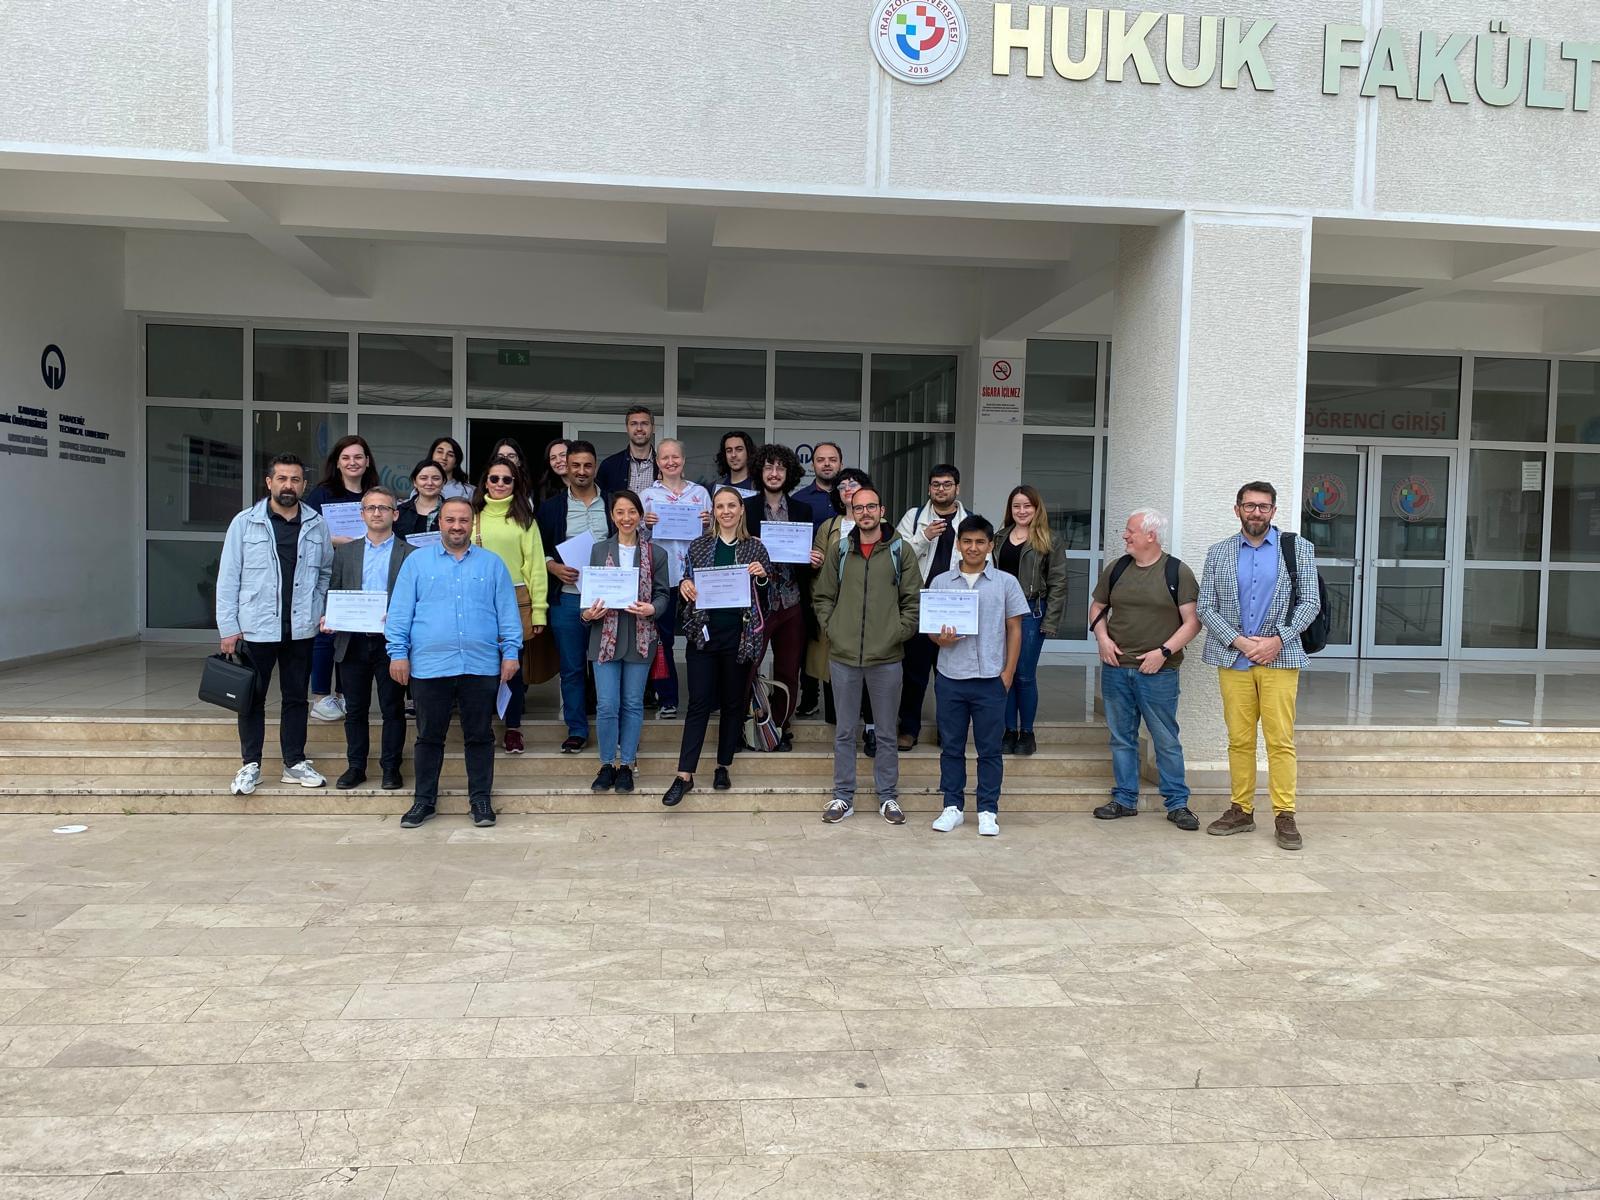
(420, 514)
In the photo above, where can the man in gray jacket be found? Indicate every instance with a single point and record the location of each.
(272, 585)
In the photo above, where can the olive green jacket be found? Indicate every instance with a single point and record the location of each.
(866, 614)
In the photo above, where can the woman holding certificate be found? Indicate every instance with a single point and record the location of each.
(622, 635)
(503, 521)
(346, 476)
(721, 621)
(676, 512)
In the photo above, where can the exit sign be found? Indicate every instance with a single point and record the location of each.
(513, 358)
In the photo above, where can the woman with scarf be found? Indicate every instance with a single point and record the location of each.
(622, 643)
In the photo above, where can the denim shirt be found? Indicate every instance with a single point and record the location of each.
(983, 655)
(1258, 577)
(451, 617)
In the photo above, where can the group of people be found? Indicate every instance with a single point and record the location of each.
(469, 602)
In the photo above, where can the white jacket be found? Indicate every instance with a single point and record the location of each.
(916, 520)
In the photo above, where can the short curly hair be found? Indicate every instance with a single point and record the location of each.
(772, 452)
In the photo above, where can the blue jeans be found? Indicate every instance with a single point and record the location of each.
(1022, 701)
(1128, 696)
(619, 689)
(322, 665)
(572, 645)
(980, 703)
(667, 629)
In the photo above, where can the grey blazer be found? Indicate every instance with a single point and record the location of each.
(347, 562)
(626, 642)
(1218, 608)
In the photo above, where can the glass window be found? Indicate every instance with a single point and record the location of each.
(700, 446)
(181, 584)
(1575, 509)
(194, 362)
(1578, 402)
(1505, 505)
(723, 383)
(1062, 468)
(918, 388)
(1510, 399)
(1386, 395)
(1574, 601)
(291, 367)
(1060, 383)
(564, 376)
(1332, 481)
(900, 462)
(818, 386)
(1075, 621)
(194, 468)
(309, 435)
(1500, 609)
(398, 444)
(412, 369)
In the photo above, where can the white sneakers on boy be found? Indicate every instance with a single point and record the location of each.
(949, 819)
(988, 825)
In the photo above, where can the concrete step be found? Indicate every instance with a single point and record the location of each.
(1380, 739)
(1511, 764)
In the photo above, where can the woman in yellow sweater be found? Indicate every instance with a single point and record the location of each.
(503, 522)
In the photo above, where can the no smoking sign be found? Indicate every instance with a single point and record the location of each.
(1002, 369)
(1000, 396)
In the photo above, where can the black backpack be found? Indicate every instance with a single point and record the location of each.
(1122, 564)
(1315, 639)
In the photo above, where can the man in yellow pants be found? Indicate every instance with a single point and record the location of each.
(1253, 639)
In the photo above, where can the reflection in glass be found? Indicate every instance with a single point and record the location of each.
(1575, 509)
(818, 386)
(919, 388)
(181, 584)
(1341, 602)
(1332, 481)
(1510, 399)
(1075, 621)
(723, 383)
(404, 368)
(570, 377)
(194, 362)
(1574, 601)
(1060, 382)
(1578, 402)
(309, 435)
(1384, 395)
(1505, 516)
(294, 367)
(1410, 606)
(194, 468)
(1415, 499)
(1500, 610)
(900, 462)
(1062, 468)
(398, 444)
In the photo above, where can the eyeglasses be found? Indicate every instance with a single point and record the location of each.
(942, 483)
(1257, 508)
(865, 508)
(378, 508)
(502, 479)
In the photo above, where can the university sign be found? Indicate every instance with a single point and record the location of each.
(924, 41)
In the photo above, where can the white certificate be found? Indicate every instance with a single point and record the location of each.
(615, 587)
(958, 610)
(677, 523)
(356, 612)
(424, 539)
(787, 541)
(574, 552)
(344, 520)
(722, 587)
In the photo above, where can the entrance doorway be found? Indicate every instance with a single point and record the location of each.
(1383, 521)
(485, 433)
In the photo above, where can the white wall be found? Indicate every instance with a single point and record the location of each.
(69, 574)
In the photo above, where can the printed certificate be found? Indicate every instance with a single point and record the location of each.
(722, 587)
(958, 610)
(344, 520)
(615, 587)
(356, 612)
(677, 523)
(424, 539)
(787, 541)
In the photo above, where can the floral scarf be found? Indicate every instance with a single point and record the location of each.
(644, 629)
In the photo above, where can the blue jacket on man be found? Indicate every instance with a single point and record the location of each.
(250, 581)
(613, 473)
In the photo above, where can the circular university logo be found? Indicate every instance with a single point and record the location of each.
(1325, 497)
(919, 41)
(1413, 497)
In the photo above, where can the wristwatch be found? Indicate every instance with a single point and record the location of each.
(1165, 653)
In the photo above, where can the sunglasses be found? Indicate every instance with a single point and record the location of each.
(502, 479)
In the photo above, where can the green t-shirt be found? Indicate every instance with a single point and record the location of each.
(1142, 613)
(725, 622)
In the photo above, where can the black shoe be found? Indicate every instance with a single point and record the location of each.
(482, 816)
(354, 777)
(573, 744)
(786, 742)
(1184, 819)
(392, 781)
(605, 780)
(416, 815)
(1026, 744)
(720, 780)
(806, 711)
(679, 789)
(1008, 743)
(1112, 810)
(869, 744)
(624, 779)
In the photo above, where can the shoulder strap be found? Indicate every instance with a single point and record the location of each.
(1286, 543)
(894, 557)
(1121, 565)
(1173, 563)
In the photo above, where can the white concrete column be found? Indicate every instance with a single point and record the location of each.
(996, 465)
(1209, 346)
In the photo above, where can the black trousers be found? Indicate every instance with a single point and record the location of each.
(921, 657)
(717, 680)
(435, 698)
(293, 660)
(365, 662)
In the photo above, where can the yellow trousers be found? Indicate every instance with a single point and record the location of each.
(1264, 696)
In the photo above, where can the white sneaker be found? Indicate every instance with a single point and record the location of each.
(988, 825)
(329, 708)
(667, 712)
(304, 774)
(949, 819)
(245, 781)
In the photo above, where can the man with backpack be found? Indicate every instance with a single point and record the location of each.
(1143, 615)
(1259, 599)
(867, 598)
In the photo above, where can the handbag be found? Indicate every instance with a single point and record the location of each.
(541, 660)
(229, 683)
(658, 663)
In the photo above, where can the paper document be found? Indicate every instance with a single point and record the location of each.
(501, 699)
(356, 612)
(424, 539)
(958, 610)
(677, 523)
(615, 587)
(574, 552)
(344, 520)
(722, 587)
(787, 541)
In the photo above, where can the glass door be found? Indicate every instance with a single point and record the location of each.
(1410, 586)
(1335, 481)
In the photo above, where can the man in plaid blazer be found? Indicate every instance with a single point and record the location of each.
(1253, 639)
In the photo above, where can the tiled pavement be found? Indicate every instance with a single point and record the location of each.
(730, 1006)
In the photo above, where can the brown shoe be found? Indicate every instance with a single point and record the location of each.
(905, 742)
(1284, 830)
(1235, 820)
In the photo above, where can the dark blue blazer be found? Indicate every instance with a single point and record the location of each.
(551, 517)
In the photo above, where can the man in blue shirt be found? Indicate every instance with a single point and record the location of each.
(454, 635)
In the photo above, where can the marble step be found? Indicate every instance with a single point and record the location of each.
(1359, 738)
(1519, 764)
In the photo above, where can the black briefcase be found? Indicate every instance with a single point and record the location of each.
(229, 683)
